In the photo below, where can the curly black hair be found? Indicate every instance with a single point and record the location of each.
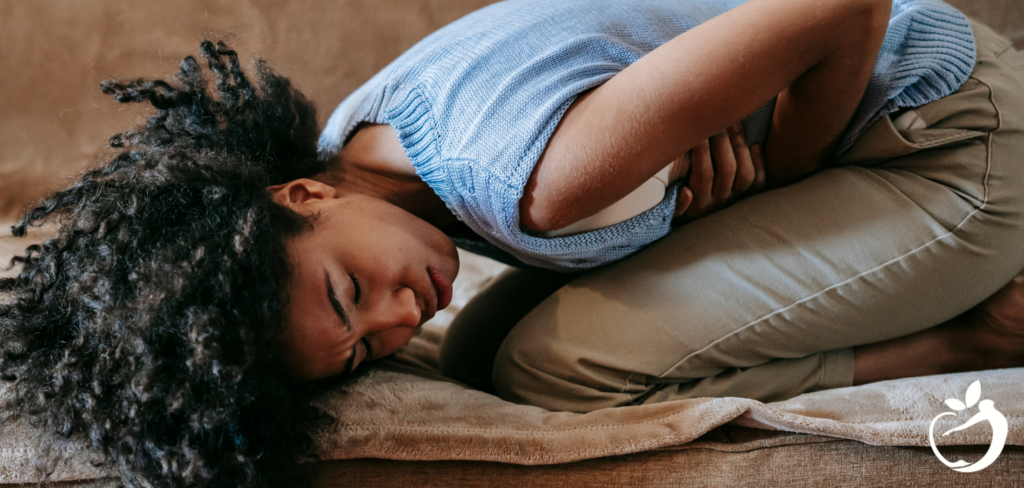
(147, 324)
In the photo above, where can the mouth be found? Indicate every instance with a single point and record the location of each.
(442, 287)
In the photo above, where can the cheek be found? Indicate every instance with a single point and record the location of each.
(407, 232)
(388, 341)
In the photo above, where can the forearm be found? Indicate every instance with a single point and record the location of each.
(696, 85)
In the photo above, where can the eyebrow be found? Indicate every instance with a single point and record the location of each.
(336, 304)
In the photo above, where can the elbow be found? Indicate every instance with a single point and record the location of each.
(543, 214)
(875, 13)
(533, 219)
(860, 27)
(539, 208)
(859, 16)
(877, 22)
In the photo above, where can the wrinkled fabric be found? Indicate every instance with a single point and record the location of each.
(402, 409)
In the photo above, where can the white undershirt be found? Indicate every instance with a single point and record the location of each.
(652, 191)
(644, 198)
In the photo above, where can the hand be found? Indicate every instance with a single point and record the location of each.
(723, 169)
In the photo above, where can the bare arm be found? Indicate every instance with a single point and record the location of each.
(815, 55)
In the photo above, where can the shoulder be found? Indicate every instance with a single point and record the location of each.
(521, 46)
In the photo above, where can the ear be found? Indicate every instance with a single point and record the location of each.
(300, 193)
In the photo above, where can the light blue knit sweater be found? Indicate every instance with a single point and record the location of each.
(475, 103)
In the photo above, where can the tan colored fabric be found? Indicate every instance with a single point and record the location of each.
(19, 448)
(736, 457)
(828, 464)
(395, 414)
(55, 53)
(440, 419)
(766, 299)
(403, 410)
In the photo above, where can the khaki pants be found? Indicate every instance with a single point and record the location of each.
(766, 298)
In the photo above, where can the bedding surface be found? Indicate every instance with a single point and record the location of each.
(402, 409)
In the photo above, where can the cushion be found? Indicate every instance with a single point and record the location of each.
(403, 410)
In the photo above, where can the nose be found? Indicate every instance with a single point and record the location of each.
(400, 310)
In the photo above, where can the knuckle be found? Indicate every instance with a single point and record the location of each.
(739, 136)
(721, 189)
(704, 175)
(702, 171)
(727, 172)
(746, 172)
(743, 182)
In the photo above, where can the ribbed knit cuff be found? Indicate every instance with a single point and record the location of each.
(411, 119)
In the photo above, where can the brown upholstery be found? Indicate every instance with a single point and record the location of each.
(830, 463)
(728, 456)
(54, 53)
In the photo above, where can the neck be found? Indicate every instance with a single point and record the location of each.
(410, 194)
(373, 163)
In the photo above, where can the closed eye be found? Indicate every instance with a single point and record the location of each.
(355, 286)
(335, 304)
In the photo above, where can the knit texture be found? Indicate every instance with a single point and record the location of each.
(475, 103)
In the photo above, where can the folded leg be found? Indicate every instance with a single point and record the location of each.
(765, 299)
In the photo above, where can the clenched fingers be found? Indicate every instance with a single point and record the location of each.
(723, 169)
(724, 164)
(683, 200)
(757, 156)
(745, 171)
(702, 175)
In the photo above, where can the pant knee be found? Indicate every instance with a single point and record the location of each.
(539, 373)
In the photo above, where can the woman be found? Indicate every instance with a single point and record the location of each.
(215, 249)
(442, 134)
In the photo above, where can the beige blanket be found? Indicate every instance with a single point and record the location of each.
(403, 410)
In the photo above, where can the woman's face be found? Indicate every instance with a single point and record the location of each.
(365, 278)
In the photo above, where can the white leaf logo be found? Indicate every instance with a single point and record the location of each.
(955, 404)
(973, 394)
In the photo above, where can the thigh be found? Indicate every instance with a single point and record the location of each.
(915, 228)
